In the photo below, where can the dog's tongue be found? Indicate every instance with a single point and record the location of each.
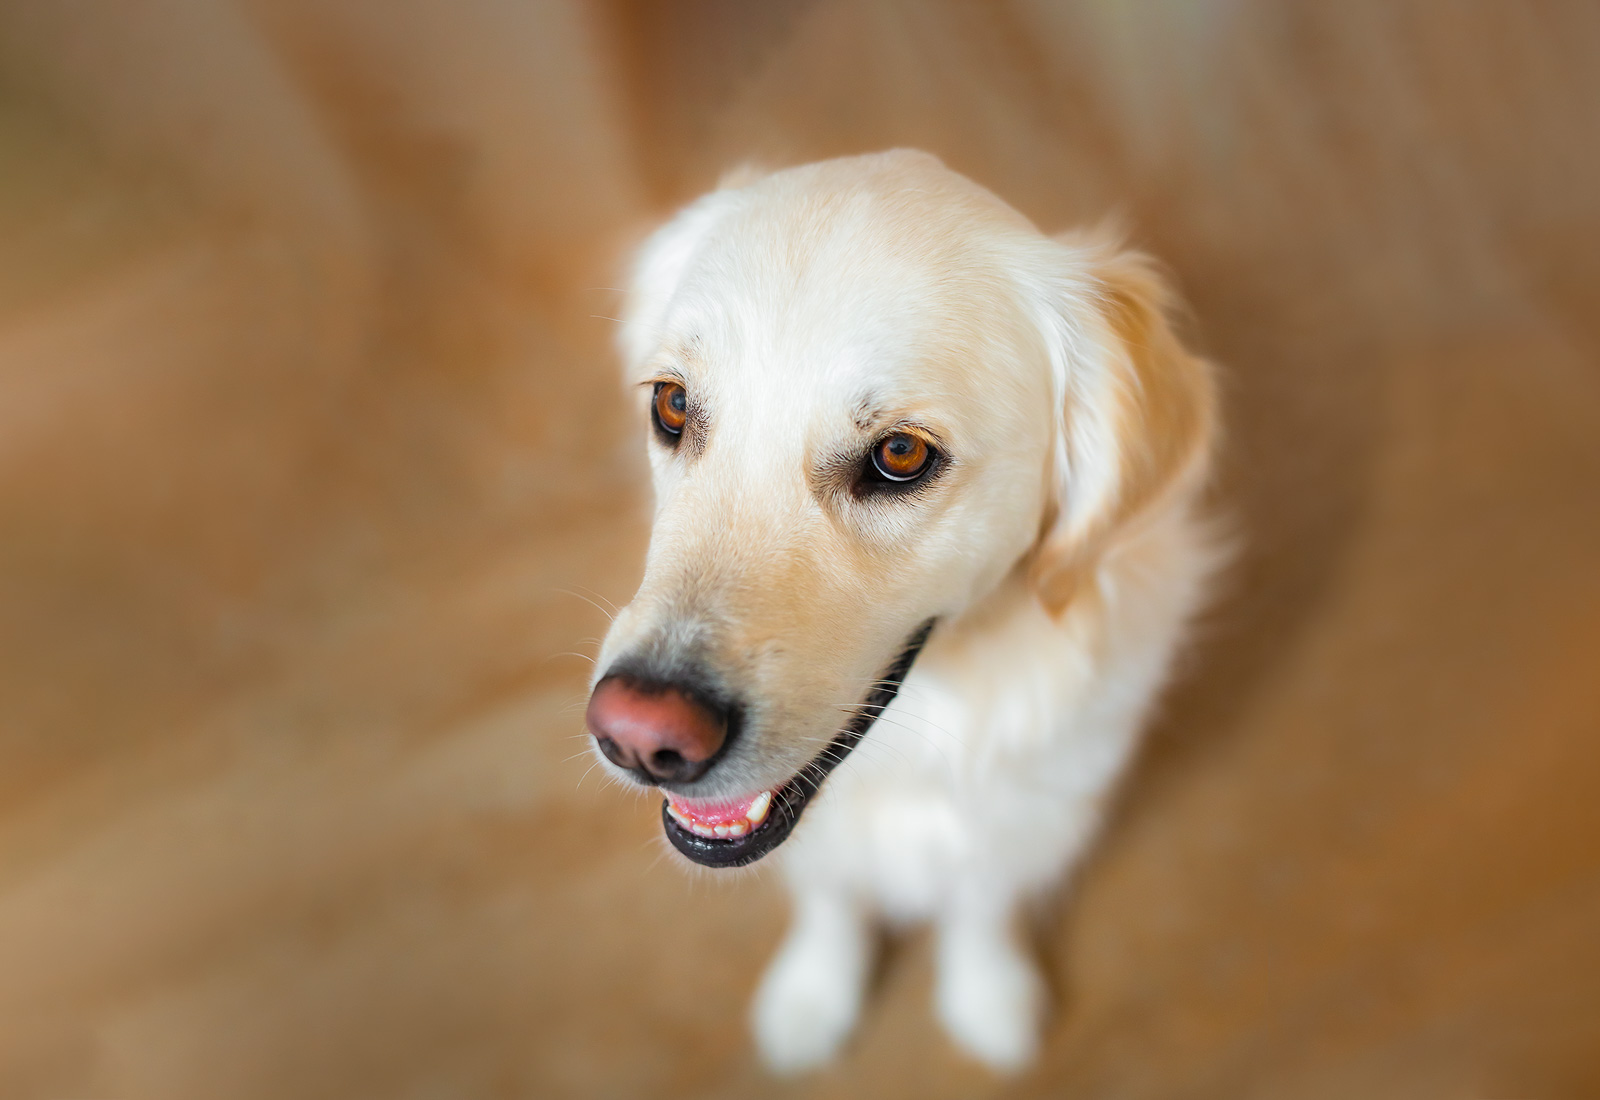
(750, 810)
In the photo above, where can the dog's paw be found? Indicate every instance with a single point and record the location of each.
(991, 1001)
(809, 1000)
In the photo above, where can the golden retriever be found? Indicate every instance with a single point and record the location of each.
(926, 491)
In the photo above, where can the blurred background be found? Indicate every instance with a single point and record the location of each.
(316, 480)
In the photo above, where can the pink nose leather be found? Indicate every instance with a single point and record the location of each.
(660, 731)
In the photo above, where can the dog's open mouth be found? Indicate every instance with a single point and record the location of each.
(734, 832)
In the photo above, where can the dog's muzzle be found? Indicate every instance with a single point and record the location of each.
(662, 734)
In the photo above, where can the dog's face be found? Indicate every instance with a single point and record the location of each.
(851, 376)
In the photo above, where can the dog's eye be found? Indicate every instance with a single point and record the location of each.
(902, 457)
(671, 407)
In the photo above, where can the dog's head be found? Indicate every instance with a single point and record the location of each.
(871, 391)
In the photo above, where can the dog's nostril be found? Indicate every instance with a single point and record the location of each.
(614, 752)
(667, 762)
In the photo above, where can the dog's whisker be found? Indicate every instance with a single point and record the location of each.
(864, 744)
(839, 756)
(898, 718)
(805, 777)
(611, 616)
(628, 322)
(875, 749)
(897, 723)
(579, 785)
(661, 854)
(599, 596)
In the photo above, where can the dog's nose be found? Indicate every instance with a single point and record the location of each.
(659, 732)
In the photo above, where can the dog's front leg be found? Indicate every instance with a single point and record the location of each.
(988, 991)
(810, 998)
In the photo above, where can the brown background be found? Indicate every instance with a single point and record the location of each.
(313, 458)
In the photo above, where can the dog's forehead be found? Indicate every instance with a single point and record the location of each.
(854, 300)
(803, 358)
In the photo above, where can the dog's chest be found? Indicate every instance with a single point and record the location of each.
(921, 810)
(902, 845)
(989, 768)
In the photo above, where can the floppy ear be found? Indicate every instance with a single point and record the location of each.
(659, 263)
(1137, 411)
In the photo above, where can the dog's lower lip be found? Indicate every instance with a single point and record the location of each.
(789, 800)
(710, 851)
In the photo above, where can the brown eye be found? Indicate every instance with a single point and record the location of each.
(671, 407)
(902, 456)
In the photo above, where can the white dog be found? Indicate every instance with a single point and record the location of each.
(926, 487)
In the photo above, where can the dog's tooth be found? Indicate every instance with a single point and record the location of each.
(677, 815)
(738, 828)
(757, 813)
(721, 831)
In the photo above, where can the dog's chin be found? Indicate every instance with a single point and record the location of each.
(737, 832)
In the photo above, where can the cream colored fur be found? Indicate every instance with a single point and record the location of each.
(1060, 551)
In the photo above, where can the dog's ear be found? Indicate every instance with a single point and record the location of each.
(1137, 411)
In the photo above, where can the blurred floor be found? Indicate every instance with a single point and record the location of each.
(315, 478)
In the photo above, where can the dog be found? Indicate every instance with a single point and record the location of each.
(928, 530)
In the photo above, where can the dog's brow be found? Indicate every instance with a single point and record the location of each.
(867, 412)
(675, 359)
